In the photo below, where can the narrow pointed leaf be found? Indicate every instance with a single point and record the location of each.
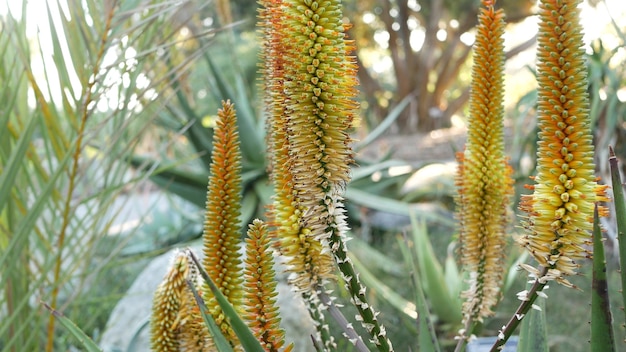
(385, 123)
(221, 343)
(80, 335)
(620, 216)
(448, 308)
(426, 338)
(387, 292)
(10, 170)
(390, 205)
(247, 339)
(602, 338)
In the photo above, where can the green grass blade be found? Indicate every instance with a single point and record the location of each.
(85, 340)
(247, 339)
(620, 216)
(602, 338)
(221, 343)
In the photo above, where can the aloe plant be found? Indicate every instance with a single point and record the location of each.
(309, 76)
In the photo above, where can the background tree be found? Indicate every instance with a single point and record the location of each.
(429, 43)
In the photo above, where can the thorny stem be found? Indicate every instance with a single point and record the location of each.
(467, 330)
(357, 291)
(521, 311)
(315, 310)
(334, 312)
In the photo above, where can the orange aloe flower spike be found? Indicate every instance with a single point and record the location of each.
(222, 226)
(304, 256)
(483, 178)
(320, 87)
(260, 292)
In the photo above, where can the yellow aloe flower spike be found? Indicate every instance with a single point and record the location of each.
(560, 210)
(320, 91)
(260, 289)
(319, 84)
(302, 252)
(194, 335)
(483, 176)
(304, 255)
(221, 226)
(165, 319)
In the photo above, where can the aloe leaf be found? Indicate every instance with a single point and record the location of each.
(390, 205)
(452, 276)
(247, 339)
(252, 143)
(533, 333)
(367, 171)
(620, 216)
(445, 306)
(602, 338)
(186, 184)
(221, 343)
(426, 338)
(385, 123)
(80, 335)
(376, 259)
(387, 292)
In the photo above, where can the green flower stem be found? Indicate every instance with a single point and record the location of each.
(367, 315)
(349, 331)
(317, 314)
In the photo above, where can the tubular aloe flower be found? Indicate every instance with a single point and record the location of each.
(483, 178)
(221, 225)
(560, 210)
(260, 289)
(165, 320)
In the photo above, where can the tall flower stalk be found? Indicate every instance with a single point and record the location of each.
(314, 82)
(303, 253)
(310, 266)
(222, 226)
(483, 178)
(560, 210)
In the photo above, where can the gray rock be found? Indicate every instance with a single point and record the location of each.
(128, 327)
